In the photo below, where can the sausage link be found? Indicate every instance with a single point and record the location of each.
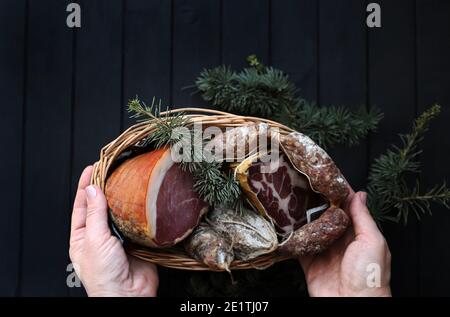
(318, 235)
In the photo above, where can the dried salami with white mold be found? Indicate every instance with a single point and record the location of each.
(210, 247)
(251, 235)
(312, 161)
(236, 144)
(324, 177)
(317, 236)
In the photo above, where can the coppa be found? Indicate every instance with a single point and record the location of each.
(281, 192)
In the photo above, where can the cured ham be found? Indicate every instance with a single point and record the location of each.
(152, 200)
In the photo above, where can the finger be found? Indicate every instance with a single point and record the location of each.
(97, 215)
(363, 222)
(80, 205)
(84, 181)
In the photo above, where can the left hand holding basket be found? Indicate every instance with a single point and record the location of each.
(98, 257)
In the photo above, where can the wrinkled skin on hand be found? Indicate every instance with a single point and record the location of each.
(98, 257)
(348, 267)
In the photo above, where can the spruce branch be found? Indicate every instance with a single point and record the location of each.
(165, 125)
(213, 185)
(329, 126)
(252, 91)
(391, 198)
(267, 92)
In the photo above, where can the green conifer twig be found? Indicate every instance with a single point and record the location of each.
(391, 197)
(267, 92)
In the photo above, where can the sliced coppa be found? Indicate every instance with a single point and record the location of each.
(282, 193)
(152, 200)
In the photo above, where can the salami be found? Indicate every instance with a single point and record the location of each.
(327, 188)
(250, 234)
(210, 247)
(311, 160)
(318, 235)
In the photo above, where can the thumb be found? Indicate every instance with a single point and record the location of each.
(97, 214)
(363, 222)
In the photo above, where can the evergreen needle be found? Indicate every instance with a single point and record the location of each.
(391, 197)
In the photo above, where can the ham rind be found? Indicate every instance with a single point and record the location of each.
(284, 193)
(152, 200)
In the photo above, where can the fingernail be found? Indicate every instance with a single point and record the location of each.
(363, 197)
(91, 192)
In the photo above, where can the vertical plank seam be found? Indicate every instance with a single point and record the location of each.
(318, 52)
(368, 103)
(172, 5)
(72, 125)
(221, 32)
(18, 290)
(122, 102)
(269, 32)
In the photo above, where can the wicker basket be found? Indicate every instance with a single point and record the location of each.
(176, 257)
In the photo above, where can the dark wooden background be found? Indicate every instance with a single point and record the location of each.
(63, 93)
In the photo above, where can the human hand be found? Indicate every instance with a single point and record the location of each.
(98, 257)
(343, 270)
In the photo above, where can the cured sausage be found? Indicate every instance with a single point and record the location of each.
(312, 161)
(210, 247)
(318, 235)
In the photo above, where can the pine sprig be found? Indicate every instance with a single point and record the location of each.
(213, 185)
(218, 85)
(390, 195)
(267, 92)
(251, 92)
(166, 126)
(210, 182)
(330, 125)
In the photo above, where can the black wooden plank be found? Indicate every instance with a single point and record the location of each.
(147, 52)
(196, 45)
(245, 31)
(98, 85)
(293, 44)
(12, 47)
(342, 72)
(392, 89)
(293, 49)
(47, 150)
(433, 45)
(147, 66)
